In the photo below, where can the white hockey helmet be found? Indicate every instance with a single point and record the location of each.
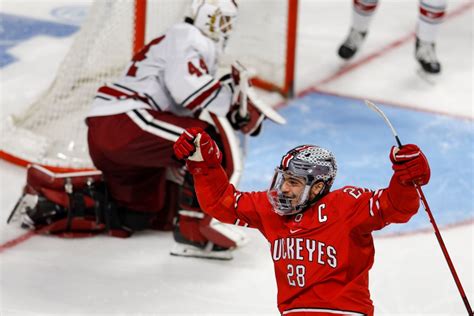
(309, 163)
(214, 18)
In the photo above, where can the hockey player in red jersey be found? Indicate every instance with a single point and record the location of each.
(430, 17)
(321, 242)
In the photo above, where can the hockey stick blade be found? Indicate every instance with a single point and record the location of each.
(376, 109)
(15, 208)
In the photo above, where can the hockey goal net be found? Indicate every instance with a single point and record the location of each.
(52, 131)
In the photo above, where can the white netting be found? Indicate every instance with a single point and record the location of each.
(259, 41)
(52, 130)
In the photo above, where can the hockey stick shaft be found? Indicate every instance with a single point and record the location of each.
(430, 214)
(15, 208)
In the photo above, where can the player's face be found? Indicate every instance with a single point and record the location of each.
(225, 24)
(292, 187)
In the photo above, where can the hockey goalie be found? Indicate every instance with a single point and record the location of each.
(169, 86)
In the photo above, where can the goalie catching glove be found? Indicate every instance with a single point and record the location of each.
(248, 112)
(198, 149)
(410, 165)
(249, 124)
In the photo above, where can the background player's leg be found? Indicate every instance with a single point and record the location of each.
(430, 18)
(362, 13)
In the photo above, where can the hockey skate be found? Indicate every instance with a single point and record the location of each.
(425, 54)
(351, 44)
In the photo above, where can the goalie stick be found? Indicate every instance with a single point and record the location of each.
(375, 108)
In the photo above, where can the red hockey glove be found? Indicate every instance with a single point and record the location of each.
(184, 146)
(198, 149)
(410, 165)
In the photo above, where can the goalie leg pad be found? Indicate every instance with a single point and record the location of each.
(67, 205)
(195, 229)
(193, 225)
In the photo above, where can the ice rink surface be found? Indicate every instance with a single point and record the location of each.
(107, 276)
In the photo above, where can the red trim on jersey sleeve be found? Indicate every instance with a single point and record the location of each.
(198, 100)
(120, 95)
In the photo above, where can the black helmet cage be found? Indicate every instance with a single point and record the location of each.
(310, 163)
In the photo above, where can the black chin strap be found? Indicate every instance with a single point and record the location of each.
(321, 193)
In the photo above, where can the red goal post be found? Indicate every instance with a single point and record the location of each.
(51, 131)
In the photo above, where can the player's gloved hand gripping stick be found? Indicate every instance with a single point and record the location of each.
(405, 159)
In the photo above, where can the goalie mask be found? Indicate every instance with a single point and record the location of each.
(302, 167)
(214, 18)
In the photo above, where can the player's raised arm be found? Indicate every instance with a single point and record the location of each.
(399, 201)
(216, 195)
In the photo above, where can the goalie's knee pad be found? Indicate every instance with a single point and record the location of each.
(199, 235)
(192, 225)
(194, 237)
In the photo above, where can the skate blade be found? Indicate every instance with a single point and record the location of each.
(183, 250)
(429, 78)
(25, 201)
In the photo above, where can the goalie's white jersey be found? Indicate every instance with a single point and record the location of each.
(174, 72)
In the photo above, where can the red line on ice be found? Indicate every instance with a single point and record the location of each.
(384, 50)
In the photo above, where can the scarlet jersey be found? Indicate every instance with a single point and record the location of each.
(321, 256)
(174, 73)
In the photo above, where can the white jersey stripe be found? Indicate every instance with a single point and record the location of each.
(151, 128)
(198, 92)
(371, 202)
(149, 118)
